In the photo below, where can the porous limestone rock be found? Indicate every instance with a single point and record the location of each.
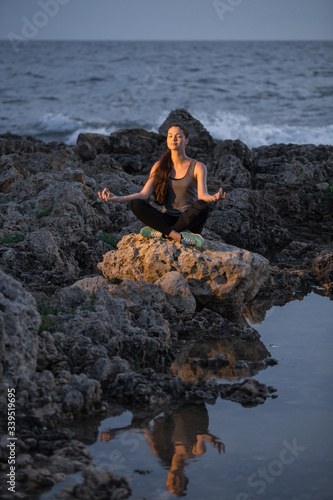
(220, 277)
(177, 291)
(19, 323)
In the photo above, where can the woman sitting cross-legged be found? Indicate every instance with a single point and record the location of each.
(179, 184)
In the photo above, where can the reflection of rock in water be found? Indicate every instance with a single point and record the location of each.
(226, 359)
(282, 286)
(222, 349)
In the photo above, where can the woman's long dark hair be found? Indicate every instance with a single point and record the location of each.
(163, 171)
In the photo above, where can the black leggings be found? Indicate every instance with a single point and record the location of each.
(193, 218)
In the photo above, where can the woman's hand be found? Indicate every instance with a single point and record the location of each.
(106, 195)
(220, 195)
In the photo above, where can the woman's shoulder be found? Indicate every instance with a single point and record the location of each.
(154, 167)
(199, 167)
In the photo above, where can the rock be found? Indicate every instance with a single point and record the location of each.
(86, 151)
(286, 176)
(19, 323)
(42, 245)
(137, 149)
(322, 186)
(73, 402)
(97, 484)
(249, 393)
(229, 173)
(177, 291)
(221, 277)
(235, 148)
(198, 135)
(322, 268)
(100, 143)
(105, 370)
(246, 220)
(92, 284)
(11, 171)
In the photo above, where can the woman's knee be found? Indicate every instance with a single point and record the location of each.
(137, 205)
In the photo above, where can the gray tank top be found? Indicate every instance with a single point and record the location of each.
(181, 192)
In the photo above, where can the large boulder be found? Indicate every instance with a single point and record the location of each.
(247, 220)
(235, 148)
(199, 136)
(295, 180)
(19, 323)
(220, 277)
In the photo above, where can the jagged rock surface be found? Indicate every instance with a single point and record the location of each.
(220, 276)
(19, 323)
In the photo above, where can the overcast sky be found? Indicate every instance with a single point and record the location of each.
(167, 19)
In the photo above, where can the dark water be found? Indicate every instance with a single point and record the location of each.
(260, 92)
(281, 450)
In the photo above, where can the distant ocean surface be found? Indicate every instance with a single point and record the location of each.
(259, 92)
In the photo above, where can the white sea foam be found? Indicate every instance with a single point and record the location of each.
(59, 123)
(69, 128)
(72, 138)
(224, 125)
(233, 126)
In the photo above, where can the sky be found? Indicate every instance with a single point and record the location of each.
(166, 19)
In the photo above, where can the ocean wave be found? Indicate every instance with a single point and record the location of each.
(234, 126)
(223, 125)
(66, 128)
(59, 123)
(72, 138)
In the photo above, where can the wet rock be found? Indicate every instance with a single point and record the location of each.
(322, 268)
(222, 276)
(248, 393)
(73, 402)
(97, 484)
(19, 323)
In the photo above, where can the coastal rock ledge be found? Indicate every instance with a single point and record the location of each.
(220, 276)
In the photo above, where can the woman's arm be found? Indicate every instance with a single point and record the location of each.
(144, 194)
(200, 173)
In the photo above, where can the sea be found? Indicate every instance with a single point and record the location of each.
(260, 92)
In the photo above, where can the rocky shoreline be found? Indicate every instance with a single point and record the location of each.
(92, 316)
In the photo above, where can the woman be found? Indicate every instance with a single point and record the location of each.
(179, 184)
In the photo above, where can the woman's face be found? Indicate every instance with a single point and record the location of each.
(176, 139)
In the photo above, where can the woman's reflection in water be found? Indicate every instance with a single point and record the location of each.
(177, 438)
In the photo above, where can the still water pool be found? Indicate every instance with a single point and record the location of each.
(281, 450)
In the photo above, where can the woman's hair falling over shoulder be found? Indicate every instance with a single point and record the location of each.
(163, 171)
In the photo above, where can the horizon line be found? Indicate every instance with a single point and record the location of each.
(175, 40)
